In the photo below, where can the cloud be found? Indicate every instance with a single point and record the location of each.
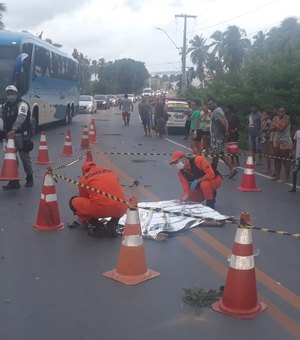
(28, 14)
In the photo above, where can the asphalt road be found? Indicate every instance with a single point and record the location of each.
(51, 284)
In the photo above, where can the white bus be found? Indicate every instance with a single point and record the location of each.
(45, 76)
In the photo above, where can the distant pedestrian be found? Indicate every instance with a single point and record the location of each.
(196, 132)
(282, 143)
(187, 125)
(219, 133)
(160, 116)
(233, 131)
(205, 121)
(296, 167)
(254, 132)
(126, 107)
(145, 115)
(266, 138)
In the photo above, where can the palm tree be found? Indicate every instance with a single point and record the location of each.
(259, 40)
(234, 48)
(217, 44)
(199, 55)
(2, 10)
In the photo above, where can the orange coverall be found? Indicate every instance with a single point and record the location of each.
(209, 183)
(90, 204)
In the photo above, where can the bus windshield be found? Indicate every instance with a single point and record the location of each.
(8, 56)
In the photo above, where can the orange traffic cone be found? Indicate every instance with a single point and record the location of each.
(93, 122)
(240, 295)
(92, 134)
(43, 155)
(248, 180)
(48, 214)
(10, 170)
(85, 139)
(89, 157)
(67, 150)
(132, 268)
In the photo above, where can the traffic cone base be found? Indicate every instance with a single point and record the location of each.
(48, 228)
(132, 268)
(240, 296)
(131, 280)
(9, 171)
(48, 213)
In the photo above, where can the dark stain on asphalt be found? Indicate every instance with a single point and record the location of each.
(111, 134)
(143, 160)
(136, 184)
(103, 120)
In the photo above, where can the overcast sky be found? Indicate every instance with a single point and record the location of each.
(114, 29)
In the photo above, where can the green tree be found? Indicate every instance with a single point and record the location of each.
(84, 70)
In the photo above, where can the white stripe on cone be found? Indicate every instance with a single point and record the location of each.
(241, 262)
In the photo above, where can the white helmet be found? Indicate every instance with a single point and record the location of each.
(11, 88)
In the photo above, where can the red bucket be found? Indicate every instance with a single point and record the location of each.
(232, 148)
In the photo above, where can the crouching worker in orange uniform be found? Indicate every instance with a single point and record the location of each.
(198, 179)
(89, 206)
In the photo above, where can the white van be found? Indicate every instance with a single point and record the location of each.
(147, 91)
(177, 111)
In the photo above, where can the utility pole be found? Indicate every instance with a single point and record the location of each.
(183, 55)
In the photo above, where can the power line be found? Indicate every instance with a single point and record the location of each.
(236, 17)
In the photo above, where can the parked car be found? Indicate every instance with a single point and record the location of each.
(132, 97)
(113, 99)
(102, 101)
(177, 111)
(87, 104)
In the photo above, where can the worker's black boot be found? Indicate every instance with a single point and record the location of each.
(111, 227)
(210, 204)
(96, 228)
(29, 181)
(12, 185)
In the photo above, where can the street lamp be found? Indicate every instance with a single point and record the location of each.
(178, 48)
(182, 52)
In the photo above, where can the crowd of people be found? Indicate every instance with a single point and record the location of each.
(216, 131)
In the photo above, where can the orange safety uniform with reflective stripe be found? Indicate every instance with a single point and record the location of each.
(90, 204)
(209, 183)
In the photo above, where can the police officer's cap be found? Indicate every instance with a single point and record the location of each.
(11, 88)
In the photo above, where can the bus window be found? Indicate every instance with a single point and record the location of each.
(41, 62)
(27, 48)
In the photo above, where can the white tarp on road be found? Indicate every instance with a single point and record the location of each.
(157, 225)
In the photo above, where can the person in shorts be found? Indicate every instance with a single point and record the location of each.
(126, 107)
(296, 167)
(145, 115)
(219, 133)
(254, 132)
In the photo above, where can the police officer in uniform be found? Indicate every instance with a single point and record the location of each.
(16, 124)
